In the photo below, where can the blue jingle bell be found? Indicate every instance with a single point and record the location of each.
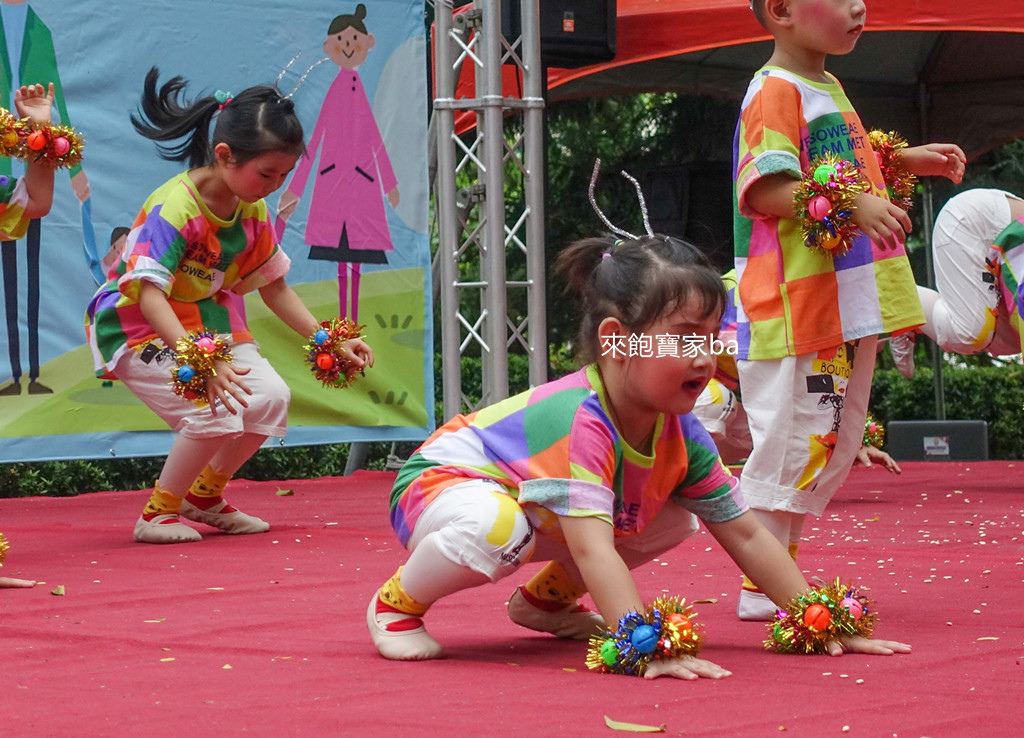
(186, 374)
(321, 337)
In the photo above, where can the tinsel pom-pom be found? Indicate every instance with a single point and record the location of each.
(54, 146)
(667, 629)
(195, 357)
(824, 203)
(818, 616)
(4, 548)
(874, 433)
(325, 352)
(899, 183)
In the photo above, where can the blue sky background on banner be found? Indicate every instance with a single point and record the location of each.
(103, 52)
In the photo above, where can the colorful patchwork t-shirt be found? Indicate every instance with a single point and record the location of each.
(555, 447)
(204, 265)
(13, 200)
(793, 300)
(1006, 260)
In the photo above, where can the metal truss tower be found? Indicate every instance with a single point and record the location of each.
(479, 230)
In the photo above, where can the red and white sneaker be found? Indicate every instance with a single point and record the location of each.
(397, 635)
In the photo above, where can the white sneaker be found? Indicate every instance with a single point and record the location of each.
(234, 521)
(570, 621)
(414, 644)
(164, 529)
(902, 349)
(755, 606)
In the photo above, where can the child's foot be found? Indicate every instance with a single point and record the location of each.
(166, 528)
(547, 616)
(902, 348)
(222, 515)
(755, 606)
(399, 636)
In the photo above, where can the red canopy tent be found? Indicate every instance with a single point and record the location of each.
(932, 69)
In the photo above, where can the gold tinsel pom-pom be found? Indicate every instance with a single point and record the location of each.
(4, 548)
(52, 145)
(823, 203)
(874, 432)
(820, 615)
(666, 629)
(899, 183)
(195, 355)
(325, 352)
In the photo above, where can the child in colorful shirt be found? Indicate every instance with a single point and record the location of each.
(201, 241)
(808, 319)
(595, 473)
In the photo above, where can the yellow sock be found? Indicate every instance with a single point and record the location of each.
(750, 586)
(553, 583)
(393, 596)
(209, 483)
(162, 502)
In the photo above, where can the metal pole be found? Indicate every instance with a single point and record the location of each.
(938, 355)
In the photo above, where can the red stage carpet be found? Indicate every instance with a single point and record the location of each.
(265, 635)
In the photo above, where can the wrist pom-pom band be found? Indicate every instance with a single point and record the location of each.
(824, 203)
(818, 616)
(52, 146)
(195, 357)
(899, 183)
(874, 433)
(667, 629)
(324, 352)
(4, 548)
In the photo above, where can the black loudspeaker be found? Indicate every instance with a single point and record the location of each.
(573, 33)
(937, 440)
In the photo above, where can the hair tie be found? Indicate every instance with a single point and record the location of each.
(606, 255)
(223, 98)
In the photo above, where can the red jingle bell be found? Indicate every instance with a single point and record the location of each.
(36, 140)
(325, 362)
(817, 616)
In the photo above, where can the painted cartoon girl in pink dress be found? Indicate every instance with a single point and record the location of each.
(347, 221)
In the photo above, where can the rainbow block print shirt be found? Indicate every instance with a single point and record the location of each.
(13, 200)
(202, 263)
(1006, 262)
(793, 300)
(555, 448)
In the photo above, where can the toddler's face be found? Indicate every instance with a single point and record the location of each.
(829, 26)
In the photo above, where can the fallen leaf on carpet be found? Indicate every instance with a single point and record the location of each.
(874, 519)
(226, 666)
(59, 591)
(633, 727)
(709, 601)
(566, 668)
(285, 492)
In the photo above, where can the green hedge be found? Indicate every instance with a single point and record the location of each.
(993, 394)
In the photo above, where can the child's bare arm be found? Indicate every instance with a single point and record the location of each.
(935, 160)
(772, 195)
(762, 558)
(35, 103)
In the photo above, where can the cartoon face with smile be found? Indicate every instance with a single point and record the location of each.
(349, 47)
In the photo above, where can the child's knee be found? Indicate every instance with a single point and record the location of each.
(495, 540)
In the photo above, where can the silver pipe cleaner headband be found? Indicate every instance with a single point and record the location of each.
(304, 74)
(604, 219)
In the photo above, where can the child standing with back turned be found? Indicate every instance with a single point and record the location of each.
(809, 313)
(594, 473)
(201, 241)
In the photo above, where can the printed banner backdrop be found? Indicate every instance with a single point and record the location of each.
(366, 112)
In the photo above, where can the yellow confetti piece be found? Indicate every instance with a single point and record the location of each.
(226, 666)
(633, 727)
(988, 638)
(566, 668)
(215, 589)
(874, 519)
(169, 658)
(59, 591)
(285, 492)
